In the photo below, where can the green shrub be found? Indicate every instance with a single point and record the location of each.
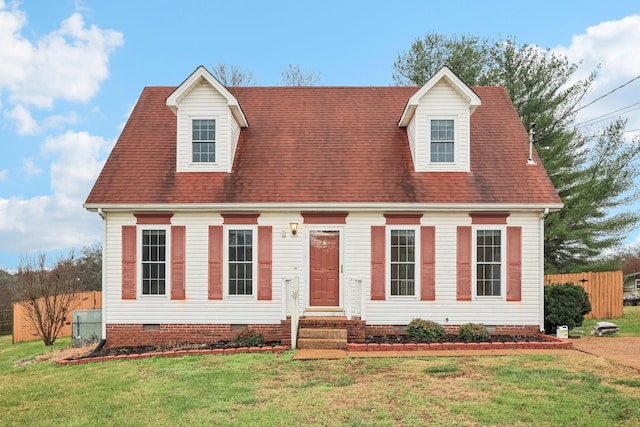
(421, 330)
(473, 332)
(564, 304)
(248, 338)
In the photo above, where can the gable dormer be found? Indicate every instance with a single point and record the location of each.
(209, 119)
(438, 122)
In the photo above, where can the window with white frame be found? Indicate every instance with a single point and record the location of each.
(402, 262)
(638, 284)
(203, 141)
(442, 141)
(489, 262)
(240, 249)
(154, 262)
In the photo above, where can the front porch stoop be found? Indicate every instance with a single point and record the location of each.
(322, 338)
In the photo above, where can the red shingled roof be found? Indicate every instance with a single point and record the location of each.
(322, 144)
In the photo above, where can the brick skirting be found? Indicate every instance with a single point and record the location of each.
(131, 335)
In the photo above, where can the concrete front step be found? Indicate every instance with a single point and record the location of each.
(322, 333)
(322, 343)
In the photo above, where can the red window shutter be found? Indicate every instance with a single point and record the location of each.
(428, 255)
(463, 284)
(128, 262)
(514, 263)
(178, 237)
(264, 262)
(215, 262)
(378, 250)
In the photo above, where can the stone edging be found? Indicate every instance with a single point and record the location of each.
(549, 343)
(174, 353)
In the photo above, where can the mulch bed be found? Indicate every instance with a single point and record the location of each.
(451, 338)
(116, 351)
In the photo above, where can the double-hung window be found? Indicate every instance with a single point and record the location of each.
(203, 141)
(154, 261)
(241, 255)
(489, 262)
(402, 262)
(442, 141)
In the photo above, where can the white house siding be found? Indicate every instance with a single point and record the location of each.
(203, 102)
(196, 308)
(290, 261)
(411, 135)
(445, 308)
(442, 101)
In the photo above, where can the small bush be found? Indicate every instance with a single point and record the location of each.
(473, 332)
(248, 338)
(421, 330)
(564, 304)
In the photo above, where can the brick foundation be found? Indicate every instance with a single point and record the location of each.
(355, 327)
(119, 335)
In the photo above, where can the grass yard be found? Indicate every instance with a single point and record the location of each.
(272, 390)
(629, 323)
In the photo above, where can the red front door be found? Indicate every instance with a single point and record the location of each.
(324, 261)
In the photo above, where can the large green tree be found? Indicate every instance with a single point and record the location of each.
(594, 170)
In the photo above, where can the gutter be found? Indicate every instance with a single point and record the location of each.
(543, 215)
(104, 274)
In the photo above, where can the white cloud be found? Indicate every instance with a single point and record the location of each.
(24, 122)
(3, 174)
(613, 47)
(30, 168)
(68, 63)
(79, 159)
(57, 221)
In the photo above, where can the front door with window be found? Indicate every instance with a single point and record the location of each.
(324, 271)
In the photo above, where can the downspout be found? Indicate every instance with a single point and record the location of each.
(543, 215)
(104, 274)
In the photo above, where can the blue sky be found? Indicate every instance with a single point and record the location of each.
(71, 71)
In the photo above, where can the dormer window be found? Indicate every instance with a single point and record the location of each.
(204, 141)
(442, 141)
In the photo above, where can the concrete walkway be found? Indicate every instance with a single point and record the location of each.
(308, 354)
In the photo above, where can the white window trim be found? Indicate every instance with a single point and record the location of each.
(254, 262)
(167, 287)
(638, 284)
(418, 258)
(203, 164)
(503, 261)
(456, 143)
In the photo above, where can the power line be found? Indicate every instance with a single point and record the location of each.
(596, 119)
(608, 93)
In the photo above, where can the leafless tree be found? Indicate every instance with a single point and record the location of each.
(295, 76)
(47, 294)
(232, 75)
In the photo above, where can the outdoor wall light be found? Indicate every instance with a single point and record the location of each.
(293, 226)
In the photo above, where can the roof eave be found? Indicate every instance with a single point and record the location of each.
(201, 73)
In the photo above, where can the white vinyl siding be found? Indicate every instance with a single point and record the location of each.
(290, 262)
(441, 102)
(205, 103)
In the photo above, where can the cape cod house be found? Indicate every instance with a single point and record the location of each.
(250, 206)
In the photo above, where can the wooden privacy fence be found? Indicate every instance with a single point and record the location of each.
(6, 321)
(604, 289)
(24, 331)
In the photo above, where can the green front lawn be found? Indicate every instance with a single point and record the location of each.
(629, 323)
(267, 389)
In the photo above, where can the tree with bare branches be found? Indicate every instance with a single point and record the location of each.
(47, 294)
(233, 75)
(295, 76)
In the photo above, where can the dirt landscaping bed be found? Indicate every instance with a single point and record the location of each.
(624, 350)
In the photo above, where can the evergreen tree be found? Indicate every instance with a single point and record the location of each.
(593, 171)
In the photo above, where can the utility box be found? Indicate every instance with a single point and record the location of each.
(86, 327)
